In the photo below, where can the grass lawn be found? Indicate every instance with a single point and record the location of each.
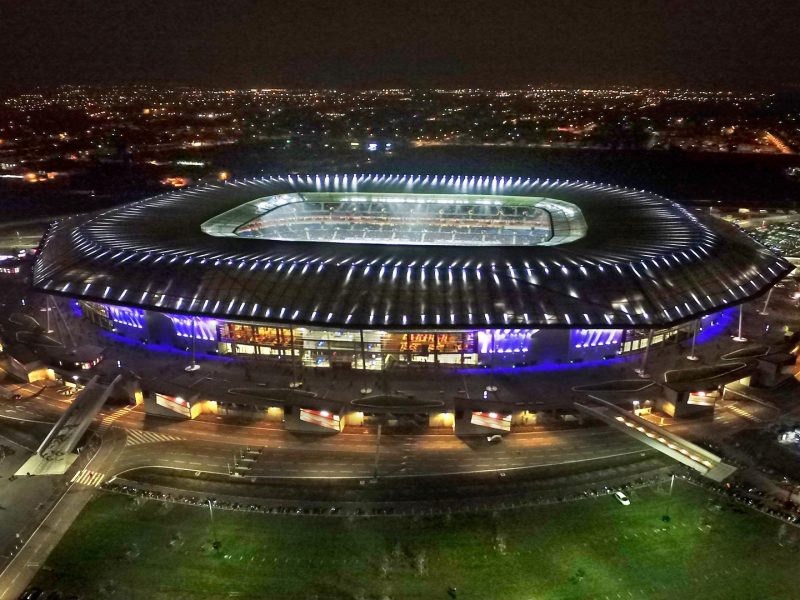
(596, 548)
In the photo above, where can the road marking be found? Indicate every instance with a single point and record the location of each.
(88, 477)
(136, 437)
(744, 414)
(26, 420)
(273, 475)
(108, 420)
(25, 547)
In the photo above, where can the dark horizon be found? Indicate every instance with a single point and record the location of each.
(733, 44)
(9, 90)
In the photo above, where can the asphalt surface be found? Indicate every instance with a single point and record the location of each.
(18, 573)
(400, 456)
(215, 446)
(206, 446)
(133, 440)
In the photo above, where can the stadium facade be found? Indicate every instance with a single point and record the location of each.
(368, 271)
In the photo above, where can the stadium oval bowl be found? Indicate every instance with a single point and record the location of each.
(467, 253)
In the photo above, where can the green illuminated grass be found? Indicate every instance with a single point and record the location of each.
(588, 549)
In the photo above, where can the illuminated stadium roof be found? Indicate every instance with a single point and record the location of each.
(422, 252)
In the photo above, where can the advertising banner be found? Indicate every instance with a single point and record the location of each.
(491, 420)
(323, 418)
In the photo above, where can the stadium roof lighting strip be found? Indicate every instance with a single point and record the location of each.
(635, 259)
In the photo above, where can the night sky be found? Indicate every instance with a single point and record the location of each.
(696, 43)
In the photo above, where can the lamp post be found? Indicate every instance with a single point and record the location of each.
(739, 337)
(666, 516)
(378, 449)
(493, 353)
(763, 312)
(642, 370)
(214, 542)
(692, 356)
(194, 366)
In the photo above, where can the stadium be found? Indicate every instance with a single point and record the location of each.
(387, 271)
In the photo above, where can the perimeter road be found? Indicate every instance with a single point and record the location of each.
(18, 574)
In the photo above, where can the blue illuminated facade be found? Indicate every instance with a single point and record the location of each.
(124, 316)
(202, 328)
(512, 348)
(369, 271)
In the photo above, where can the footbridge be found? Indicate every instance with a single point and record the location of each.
(57, 451)
(685, 452)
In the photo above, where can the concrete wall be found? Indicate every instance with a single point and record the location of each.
(675, 404)
(442, 420)
(524, 418)
(272, 414)
(293, 422)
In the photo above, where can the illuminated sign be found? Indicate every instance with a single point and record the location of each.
(427, 342)
(175, 404)
(502, 341)
(322, 418)
(89, 364)
(492, 420)
(702, 398)
(124, 315)
(204, 328)
(593, 338)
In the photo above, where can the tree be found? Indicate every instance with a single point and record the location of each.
(421, 563)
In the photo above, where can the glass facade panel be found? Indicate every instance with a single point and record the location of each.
(376, 350)
(317, 347)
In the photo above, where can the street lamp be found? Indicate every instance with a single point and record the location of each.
(739, 337)
(763, 311)
(215, 543)
(692, 356)
(666, 516)
(47, 310)
(641, 371)
(194, 366)
(378, 449)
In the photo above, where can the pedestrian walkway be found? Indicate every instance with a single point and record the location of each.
(108, 420)
(743, 413)
(685, 452)
(57, 452)
(136, 437)
(759, 396)
(88, 478)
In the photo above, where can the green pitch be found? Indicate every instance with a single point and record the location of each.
(589, 549)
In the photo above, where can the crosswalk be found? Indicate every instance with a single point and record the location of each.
(88, 478)
(108, 420)
(744, 414)
(136, 437)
